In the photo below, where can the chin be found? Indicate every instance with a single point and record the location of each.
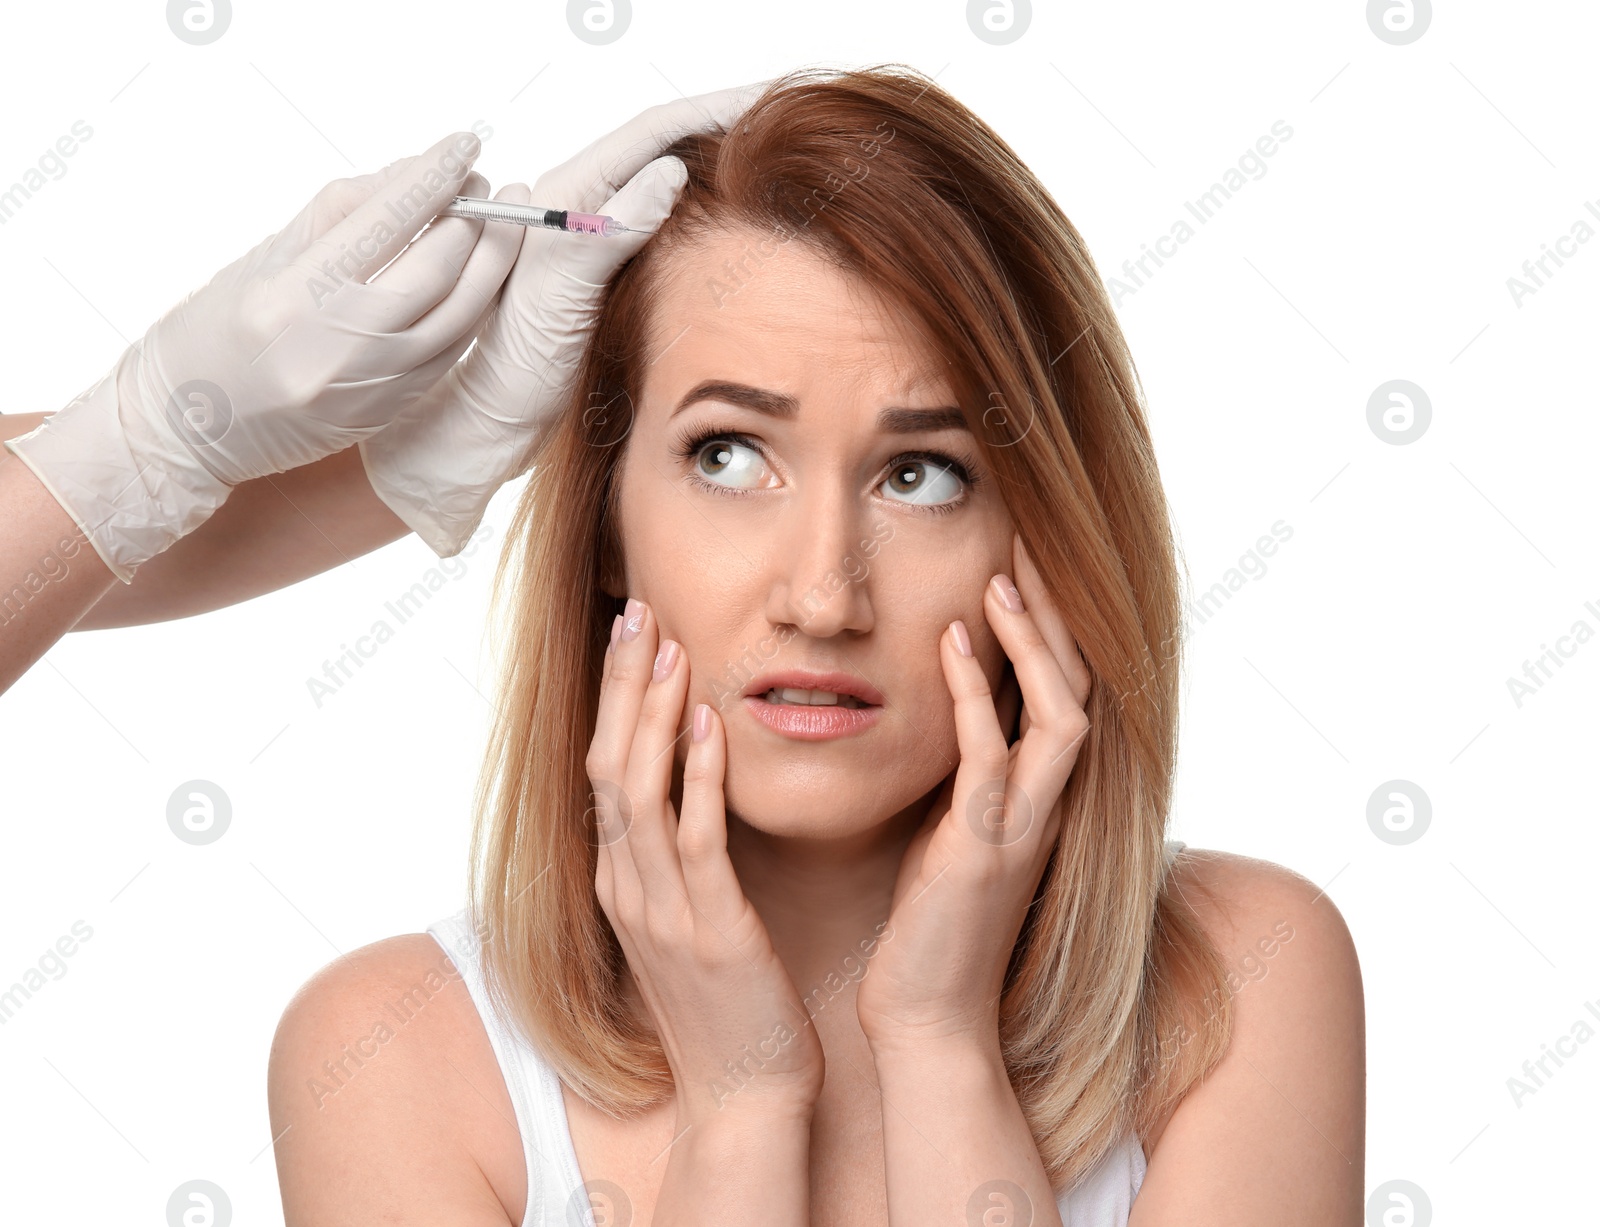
(798, 821)
(816, 803)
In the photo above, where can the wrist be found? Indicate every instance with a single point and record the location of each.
(724, 1134)
(958, 1053)
(937, 1031)
(736, 1169)
(424, 467)
(131, 486)
(750, 1108)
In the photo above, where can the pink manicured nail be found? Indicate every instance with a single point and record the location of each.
(1007, 592)
(632, 620)
(958, 631)
(702, 722)
(665, 659)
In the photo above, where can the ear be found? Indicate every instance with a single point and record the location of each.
(611, 583)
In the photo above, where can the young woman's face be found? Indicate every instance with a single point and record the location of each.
(799, 493)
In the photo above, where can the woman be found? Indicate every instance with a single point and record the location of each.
(844, 602)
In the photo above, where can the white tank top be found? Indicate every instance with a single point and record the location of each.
(556, 1193)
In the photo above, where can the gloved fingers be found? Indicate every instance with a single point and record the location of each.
(420, 373)
(330, 206)
(443, 248)
(402, 199)
(551, 294)
(482, 272)
(641, 204)
(585, 180)
(440, 250)
(429, 372)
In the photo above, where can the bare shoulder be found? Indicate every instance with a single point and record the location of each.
(1276, 1131)
(1231, 894)
(387, 1103)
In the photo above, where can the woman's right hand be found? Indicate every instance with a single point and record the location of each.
(697, 948)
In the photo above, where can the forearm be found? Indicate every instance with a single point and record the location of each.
(272, 532)
(956, 1146)
(49, 573)
(738, 1170)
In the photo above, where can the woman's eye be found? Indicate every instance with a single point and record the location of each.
(727, 458)
(923, 482)
(735, 463)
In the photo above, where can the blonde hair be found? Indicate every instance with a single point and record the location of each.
(883, 172)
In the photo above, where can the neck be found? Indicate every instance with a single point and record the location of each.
(821, 900)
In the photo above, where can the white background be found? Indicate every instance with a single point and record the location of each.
(1376, 646)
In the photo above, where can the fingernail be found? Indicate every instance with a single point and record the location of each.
(616, 625)
(702, 722)
(632, 620)
(958, 632)
(665, 659)
(1007, 592)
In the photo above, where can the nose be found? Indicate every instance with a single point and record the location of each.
(821, 573)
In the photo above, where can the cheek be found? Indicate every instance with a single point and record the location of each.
(919, 590)
(671, 558)
(916, 594)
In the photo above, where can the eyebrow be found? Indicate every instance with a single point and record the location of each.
(894, 420)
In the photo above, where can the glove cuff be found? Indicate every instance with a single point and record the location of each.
(428, 467)
(444, 529)
(130, 484)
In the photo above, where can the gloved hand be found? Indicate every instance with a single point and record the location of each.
(283, 357)
(440, 463)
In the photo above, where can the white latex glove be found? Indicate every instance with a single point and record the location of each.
(440, 463)
(283, 357)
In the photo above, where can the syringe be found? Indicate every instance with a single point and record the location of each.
(533, 215)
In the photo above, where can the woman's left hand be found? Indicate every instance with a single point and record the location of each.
(970, 872)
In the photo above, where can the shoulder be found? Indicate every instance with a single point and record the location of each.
(386, 1101)
(1233, 896)
(387, 999)
(1292, 968)
(1284, 1110)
